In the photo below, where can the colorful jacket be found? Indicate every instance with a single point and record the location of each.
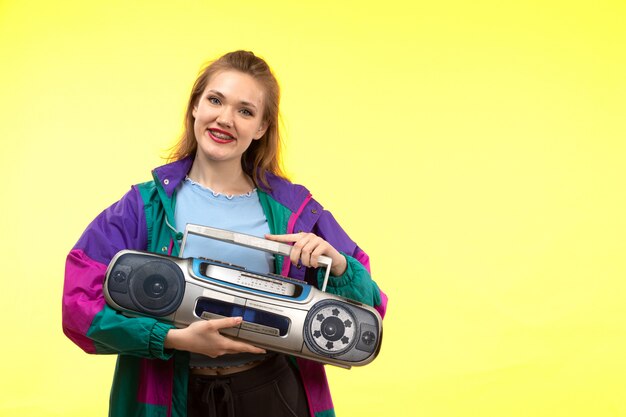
(150, 380)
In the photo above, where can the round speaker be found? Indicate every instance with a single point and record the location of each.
(330, 328)
(157, 287)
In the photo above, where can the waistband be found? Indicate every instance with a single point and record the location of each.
(225, 370)
(267, 370)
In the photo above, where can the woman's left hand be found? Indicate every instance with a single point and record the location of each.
(307, 247)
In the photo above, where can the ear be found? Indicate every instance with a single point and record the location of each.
(194, 111)
(262, 129)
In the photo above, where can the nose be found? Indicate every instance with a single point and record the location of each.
(225, 118)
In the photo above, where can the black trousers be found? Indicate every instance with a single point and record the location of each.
(271, 389)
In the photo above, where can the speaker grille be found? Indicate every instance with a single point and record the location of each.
(157, 287)
(330, 328)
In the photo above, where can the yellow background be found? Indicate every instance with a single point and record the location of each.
(475, 149)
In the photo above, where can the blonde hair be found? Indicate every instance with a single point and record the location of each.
(263, 155)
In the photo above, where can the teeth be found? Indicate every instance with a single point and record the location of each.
(221, 135)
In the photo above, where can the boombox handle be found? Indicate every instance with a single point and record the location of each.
(276, 248)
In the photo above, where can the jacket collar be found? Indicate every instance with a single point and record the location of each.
(169, 176)
(291, 195)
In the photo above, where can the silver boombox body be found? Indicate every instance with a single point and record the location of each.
(279, 314)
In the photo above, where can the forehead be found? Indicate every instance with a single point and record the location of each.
(237, 86)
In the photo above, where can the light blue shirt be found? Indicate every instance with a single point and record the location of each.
(197, 204)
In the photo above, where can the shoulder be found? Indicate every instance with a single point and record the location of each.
(146, 190)
(290, 195)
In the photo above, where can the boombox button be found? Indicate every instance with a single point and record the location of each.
(119, 276)
(367, 338)
(119, 279)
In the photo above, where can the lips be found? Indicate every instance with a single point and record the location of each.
(220, 136)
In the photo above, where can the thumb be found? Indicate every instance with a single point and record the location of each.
(226, 322)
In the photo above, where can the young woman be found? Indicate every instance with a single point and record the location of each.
(224, 173)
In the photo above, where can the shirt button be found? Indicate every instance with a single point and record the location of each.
(164, 249)
(166, 181)
(314, 211)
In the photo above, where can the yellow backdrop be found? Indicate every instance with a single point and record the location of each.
(475, 149)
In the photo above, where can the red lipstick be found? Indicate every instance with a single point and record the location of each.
(220, 136)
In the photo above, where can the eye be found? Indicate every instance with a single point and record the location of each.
(214, 100)
(246, 112)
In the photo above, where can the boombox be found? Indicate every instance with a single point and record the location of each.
(279, 314)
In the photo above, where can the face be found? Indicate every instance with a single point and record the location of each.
(229, 116)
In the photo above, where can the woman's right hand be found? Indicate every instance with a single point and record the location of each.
(203, 337)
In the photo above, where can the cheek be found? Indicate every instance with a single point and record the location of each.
(197, 129)
(200, 117)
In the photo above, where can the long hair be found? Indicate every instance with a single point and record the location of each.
(263, 155)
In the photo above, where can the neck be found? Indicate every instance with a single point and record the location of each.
(222, 177)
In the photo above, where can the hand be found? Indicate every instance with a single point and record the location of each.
(307, 247)
(203, 337)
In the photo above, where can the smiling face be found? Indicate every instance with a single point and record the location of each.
(229, 116)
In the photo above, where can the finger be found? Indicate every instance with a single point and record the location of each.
(307, 250)
(226, 322)
(238, 347)
(294, 255)
(313, 249)
(317, 252)
(289, 238)
(305, 246)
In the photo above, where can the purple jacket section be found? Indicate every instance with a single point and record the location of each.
(116, 228)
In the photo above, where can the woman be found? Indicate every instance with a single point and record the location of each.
(225, 173)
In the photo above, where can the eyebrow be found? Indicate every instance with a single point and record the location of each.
(245, 103)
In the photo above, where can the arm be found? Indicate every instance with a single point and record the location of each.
(350, 274)
(87, 320)
(203, 337)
